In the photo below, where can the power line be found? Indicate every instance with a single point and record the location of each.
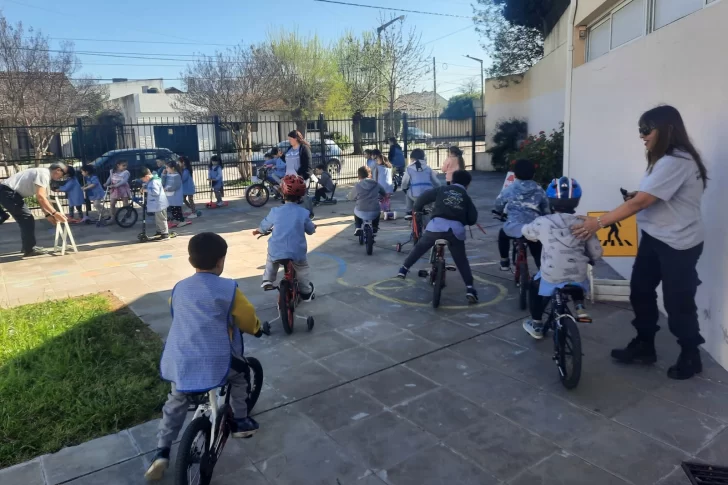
(448, 35)
(141, 41)
(393, 9)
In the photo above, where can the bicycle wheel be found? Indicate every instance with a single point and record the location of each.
(439, 280)
(568, 352)
(523, 285)
(369, 238)
(256, 381)
(257, 195)
(127, 216)
(193, 458)
(285, 306)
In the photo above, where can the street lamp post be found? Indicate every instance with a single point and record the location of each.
(482, 83)
(381, 29)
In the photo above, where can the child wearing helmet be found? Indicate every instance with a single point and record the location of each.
(524, 200)
(567, 255)
(290, 224)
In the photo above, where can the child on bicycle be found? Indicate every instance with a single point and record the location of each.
(524, 200)
(325, 182)
(568, 256)
(418, 178)
(204, 344)
(366, 193)
(290, 223)
(453, 210)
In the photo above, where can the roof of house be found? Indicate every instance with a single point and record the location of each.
(423, 101)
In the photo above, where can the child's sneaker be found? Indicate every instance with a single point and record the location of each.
(534, 329)
(163, 237)
(160, 463)
(267, 286)
(402, 272)
(307, 297)
(505, 265)
(220, 204)
(471, 295)
(408, 217)
(4, 217)
(581, 314)
(245, 428)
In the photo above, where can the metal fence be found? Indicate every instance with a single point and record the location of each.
(345, 140)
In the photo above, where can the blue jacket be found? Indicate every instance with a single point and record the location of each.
(73, 191)
(198, 350)
(290, 223)
(215, 173)
(279, 167)
(97, 191)
(173, 188)
(188, 183)
(524, 201)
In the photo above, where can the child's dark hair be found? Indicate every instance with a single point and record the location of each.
(145, 171)
(184, 162)
(120, 161)
(363, 172)
(321, 166)
(213, 159)
(524, 169)
(368, 152)
(71, 172)
(206, 249)
(172, 164)
(418, 154)
(393, 140)
(456, 151)
(89, 169)
(268, 156)
(461, 177)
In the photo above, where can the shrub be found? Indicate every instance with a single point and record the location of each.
(340, 139)
(508, 134)
(546, 152)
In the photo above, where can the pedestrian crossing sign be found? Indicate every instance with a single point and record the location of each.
(618, 239)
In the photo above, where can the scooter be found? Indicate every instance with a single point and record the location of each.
(142, 237)
(212, 204)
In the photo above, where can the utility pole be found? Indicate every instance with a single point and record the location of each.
(434, 91)
(482, 83)
(381, 29)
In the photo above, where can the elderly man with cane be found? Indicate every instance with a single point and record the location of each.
(28, 183)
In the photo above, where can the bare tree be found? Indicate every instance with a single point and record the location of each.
(308, 75)
(403, 63)
(38, 91)
(234, 85)
(357, 60)
(470, 85)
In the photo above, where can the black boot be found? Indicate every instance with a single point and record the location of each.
(688, 364)
(639, 350)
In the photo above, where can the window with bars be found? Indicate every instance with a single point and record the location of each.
(634, 18)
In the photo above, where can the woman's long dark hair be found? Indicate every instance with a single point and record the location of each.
(671, 135)
(185, 163)
(299, 138)
(458, 153)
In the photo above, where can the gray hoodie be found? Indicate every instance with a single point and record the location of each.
(366, 193)
(565, 257)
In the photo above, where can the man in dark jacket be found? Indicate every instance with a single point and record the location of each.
(454, 209)
(396, 155)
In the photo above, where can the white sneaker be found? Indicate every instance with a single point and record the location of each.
(534, 329)
(267, 285)
(191, 215)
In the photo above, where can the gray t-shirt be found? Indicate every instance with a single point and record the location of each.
(25, 181)
(293, 161)
(675, 218)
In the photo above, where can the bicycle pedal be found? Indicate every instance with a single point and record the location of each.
(423, 273)
(584, 320)
(451, 268)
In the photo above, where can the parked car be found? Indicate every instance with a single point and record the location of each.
(416, 135)
(332, 159)
(135, 157)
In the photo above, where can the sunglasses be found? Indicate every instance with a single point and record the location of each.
(646, 130)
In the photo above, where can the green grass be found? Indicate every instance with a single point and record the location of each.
(73, 370)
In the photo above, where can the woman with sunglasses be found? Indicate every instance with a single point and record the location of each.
(668, 213)
(32, 182)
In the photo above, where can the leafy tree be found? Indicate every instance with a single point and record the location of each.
(357, 60)
(38, 87)
(513, 47)
(308, 74)
(507, 135)
(460, 107)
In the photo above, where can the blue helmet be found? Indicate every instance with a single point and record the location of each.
(564, 194)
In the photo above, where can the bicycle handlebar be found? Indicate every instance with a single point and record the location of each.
(499, 215)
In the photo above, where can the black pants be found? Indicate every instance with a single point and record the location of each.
(504, 247)
(78, 208)
(320, 194)
(176, 213)
(13, 203)
(455, 245)
(358, 221)
(537, 303)
(657, 262)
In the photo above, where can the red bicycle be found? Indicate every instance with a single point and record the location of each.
(519, 263)
(289, 297)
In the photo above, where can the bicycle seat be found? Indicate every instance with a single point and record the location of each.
(573, 290)
(441, 242)
(283, 262)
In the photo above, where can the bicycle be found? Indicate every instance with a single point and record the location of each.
(258, 194)
(436, 274)
(417, 225)
(127, 216)
(213, 421)
(519, 261)
(366, 236)
(567, 339)
(289, 297)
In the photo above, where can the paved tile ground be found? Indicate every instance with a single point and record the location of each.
(386, 390)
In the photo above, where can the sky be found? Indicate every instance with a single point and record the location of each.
(160, 36)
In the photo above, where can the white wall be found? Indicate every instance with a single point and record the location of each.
(683, 64)
(121, 89)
